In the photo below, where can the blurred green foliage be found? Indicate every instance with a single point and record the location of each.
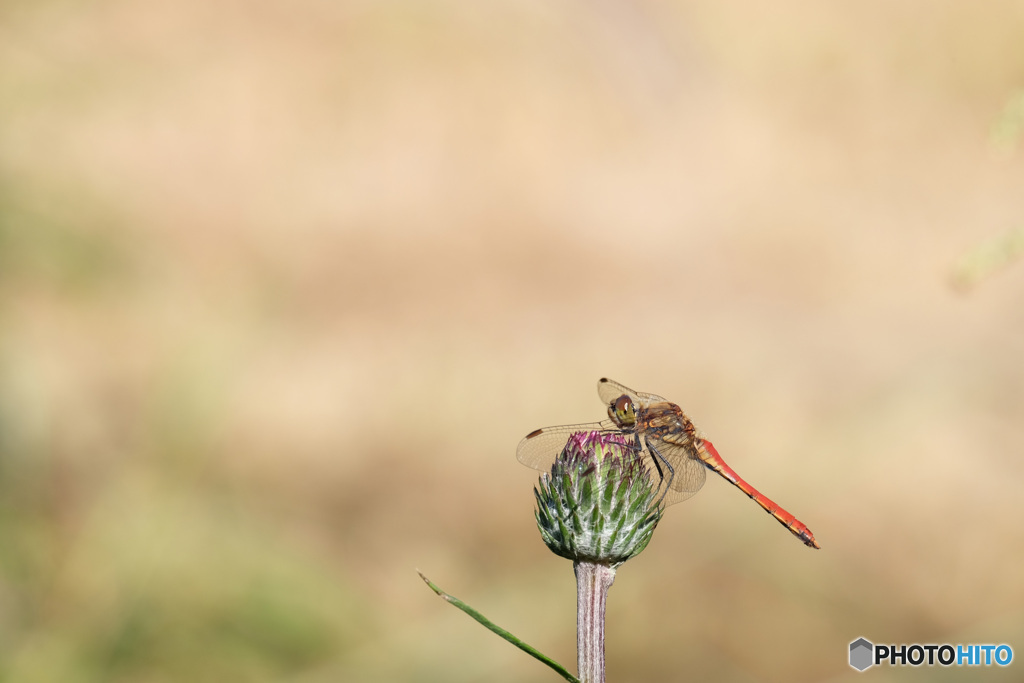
(138, 564)
(1009, 125)
(57, 238)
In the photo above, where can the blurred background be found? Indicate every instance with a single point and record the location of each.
(282, 285)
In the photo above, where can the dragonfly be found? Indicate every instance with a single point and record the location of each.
(662, 433)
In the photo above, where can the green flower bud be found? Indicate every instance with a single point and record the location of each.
(598, 504)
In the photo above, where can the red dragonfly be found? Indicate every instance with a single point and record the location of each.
(661, 430)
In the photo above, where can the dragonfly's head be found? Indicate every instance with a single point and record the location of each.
(623, 412)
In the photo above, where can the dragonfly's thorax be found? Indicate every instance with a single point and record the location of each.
(653, 419)
(665, 419)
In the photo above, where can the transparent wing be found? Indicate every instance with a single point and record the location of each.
(609, 390)
(688, 473)
(540, 447)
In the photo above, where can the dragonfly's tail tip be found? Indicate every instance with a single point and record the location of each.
(808, 540)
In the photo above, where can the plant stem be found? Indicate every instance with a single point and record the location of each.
(592, 584)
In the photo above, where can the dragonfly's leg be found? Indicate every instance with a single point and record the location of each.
(656, 457)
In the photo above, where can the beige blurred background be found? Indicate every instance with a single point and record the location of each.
(282, 285)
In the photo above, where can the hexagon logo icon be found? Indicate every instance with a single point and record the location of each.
(861, 654)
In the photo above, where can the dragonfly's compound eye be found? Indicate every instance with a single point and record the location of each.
(624, 410)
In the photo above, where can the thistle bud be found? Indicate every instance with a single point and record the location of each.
(598, 504)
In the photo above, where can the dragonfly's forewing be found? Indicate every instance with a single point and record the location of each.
(540, 447)
(609, 390)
